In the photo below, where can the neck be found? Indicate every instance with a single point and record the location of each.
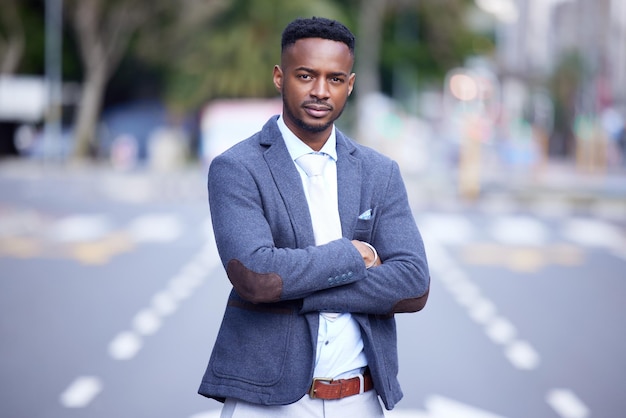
(314, 140)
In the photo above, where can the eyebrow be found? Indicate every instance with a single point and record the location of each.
(310, 70)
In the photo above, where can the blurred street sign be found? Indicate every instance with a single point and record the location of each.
(22, 98)
(226, 122)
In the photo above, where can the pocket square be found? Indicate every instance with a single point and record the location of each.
(366, 215)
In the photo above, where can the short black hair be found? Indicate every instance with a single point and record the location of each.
(317, 27)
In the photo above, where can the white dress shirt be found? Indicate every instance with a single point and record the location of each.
(339, 343)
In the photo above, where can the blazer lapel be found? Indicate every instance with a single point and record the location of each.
(287, 180)
(348, 185)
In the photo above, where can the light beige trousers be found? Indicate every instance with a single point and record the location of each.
(365, 405)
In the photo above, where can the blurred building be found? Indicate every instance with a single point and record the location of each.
(542, 32)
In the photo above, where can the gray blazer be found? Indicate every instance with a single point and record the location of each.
(265, 349)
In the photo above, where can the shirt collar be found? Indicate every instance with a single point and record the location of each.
(297, 148)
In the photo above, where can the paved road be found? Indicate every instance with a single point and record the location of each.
(111, 294)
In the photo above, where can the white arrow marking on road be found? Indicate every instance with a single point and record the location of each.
(81, 392)
(567, 404)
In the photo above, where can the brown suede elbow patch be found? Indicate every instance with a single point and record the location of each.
(411, 305)
(254, 287)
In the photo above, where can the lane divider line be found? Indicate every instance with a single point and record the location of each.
(567, 404)
(81, 392)
(500, 330)
(481, 310)
(127, 344)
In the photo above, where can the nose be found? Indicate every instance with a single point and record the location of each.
(320, 89)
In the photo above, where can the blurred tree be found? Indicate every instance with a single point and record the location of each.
(104, 30)
(565, 84)
(371, 17)
(12, 38)
(427, 38)
(227, 51)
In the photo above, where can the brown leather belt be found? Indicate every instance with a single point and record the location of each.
(323, 388)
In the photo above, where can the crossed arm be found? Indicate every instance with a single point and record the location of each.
(262, 263)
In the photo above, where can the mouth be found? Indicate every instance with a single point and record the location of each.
(317, 110)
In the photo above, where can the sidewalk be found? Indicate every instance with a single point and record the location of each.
(559, 187)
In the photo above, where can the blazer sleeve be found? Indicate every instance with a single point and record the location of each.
(401, 283)
(249, 217)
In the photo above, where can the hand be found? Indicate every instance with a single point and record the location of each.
(369, 254)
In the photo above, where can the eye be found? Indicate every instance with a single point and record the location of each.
(336, 80)
(304, 76)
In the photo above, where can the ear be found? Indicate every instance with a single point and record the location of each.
(278, 78)
(351, 83)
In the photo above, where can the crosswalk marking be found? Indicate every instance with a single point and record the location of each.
(80, 228)
(156, 228)
(519, 230)
(593, 233)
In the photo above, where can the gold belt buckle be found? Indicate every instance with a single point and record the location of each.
(315, 380)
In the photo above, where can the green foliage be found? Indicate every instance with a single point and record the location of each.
(233, 55)
(428, 38)
(198, 50)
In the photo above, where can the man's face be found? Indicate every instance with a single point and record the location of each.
(315, 81)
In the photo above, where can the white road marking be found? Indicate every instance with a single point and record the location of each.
(125, 345)
(519, 230)
(567, 404)
(500, 330)
(594, 233)
(164, 303)
(522, 355)
(465, 292)
(80, 228)
(483, 311)
(146, 322)
(449, 229)
(81, 392)
(156, 228)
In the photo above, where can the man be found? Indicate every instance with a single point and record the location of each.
(318, 265)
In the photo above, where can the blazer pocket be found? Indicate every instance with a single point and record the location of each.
(364, 228)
